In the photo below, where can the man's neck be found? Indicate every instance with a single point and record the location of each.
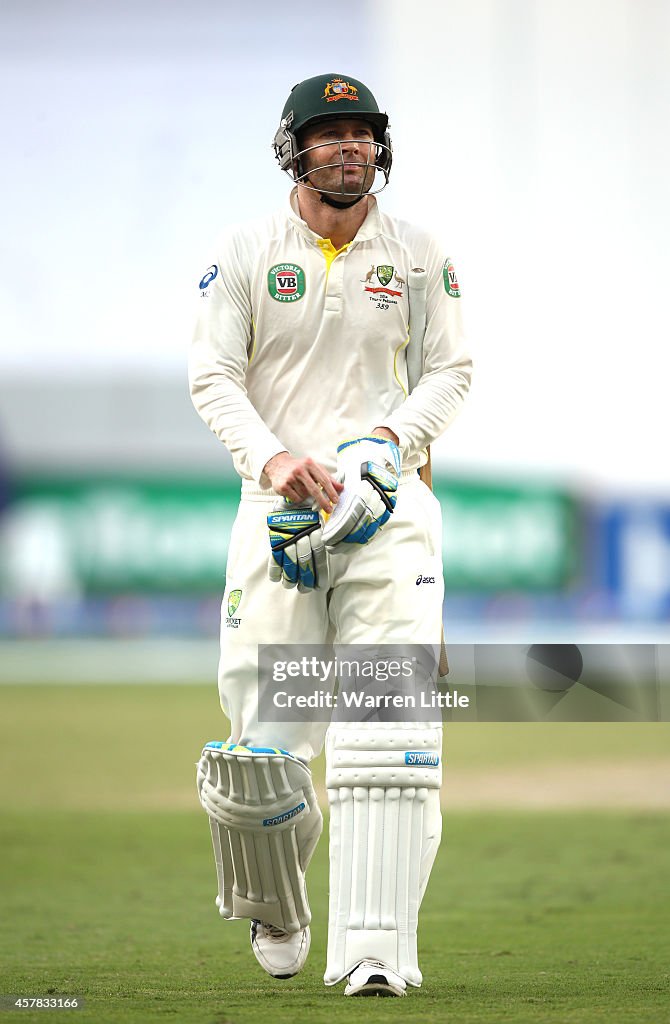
(340, 226)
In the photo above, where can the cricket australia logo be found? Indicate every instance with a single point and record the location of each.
(385, 273)
(234, 598)
(286, 282)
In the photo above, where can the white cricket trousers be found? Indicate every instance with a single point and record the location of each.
(389, 591)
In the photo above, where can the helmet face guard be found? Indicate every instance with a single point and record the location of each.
(290, 157)
(321, 99)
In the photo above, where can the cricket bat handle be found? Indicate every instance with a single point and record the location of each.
(426, 472)
(416, 285)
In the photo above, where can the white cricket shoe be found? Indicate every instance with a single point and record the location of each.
(373, 978)
(282, 954)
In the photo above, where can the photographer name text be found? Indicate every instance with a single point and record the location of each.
(379, 701)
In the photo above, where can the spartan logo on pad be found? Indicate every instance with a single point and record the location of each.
(286, 282)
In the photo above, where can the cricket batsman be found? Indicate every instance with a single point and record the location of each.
(299, 365)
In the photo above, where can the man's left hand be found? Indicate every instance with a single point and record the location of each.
(369, 467)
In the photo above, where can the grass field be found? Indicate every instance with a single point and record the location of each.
(554, 914)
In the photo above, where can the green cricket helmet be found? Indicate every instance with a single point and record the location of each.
(319, 99)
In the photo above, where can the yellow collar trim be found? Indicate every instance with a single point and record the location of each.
(329, 251)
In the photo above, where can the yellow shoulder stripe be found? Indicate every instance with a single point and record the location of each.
(400, 348)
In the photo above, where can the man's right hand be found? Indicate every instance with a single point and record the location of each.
(297, 479)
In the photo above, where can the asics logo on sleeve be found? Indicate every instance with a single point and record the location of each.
(208, 277)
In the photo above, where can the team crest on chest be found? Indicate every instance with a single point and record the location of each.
(286, 282)
(377, 281)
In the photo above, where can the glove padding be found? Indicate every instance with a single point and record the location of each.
(369, 468)
(298, 555)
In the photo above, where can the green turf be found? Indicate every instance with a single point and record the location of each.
(530, 917)
(549, 918)
(146, 739)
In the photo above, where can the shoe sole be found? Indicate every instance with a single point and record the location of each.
(376, 988)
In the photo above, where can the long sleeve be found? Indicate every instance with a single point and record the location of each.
(219, 357)
(445, 381)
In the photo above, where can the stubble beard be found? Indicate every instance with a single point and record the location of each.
(333, 181)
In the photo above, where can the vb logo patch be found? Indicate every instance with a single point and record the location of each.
(234, 598)
(450, 279)
(286, 282)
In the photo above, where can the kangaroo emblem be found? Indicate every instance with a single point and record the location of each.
(368, 276)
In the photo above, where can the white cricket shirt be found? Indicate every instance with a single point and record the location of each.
(297, 348)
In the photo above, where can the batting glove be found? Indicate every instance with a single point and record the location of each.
(369, 468)
(298, 555)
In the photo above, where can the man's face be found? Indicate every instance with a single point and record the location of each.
(348, 145)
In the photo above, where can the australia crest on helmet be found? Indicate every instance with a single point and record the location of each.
(339, 89)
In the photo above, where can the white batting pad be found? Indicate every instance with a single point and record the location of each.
(385, 825)
(265, 823)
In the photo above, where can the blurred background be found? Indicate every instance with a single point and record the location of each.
(528, 135)
(531, 136)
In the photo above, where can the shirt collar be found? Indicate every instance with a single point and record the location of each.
(370, 228)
